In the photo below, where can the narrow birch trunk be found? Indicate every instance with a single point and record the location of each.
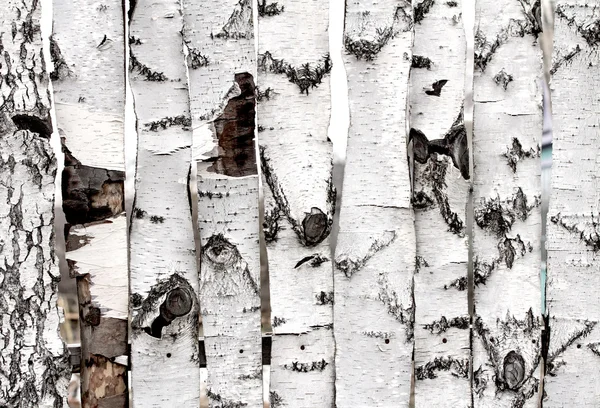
(506, 200)
(375, 254)
(441, 172)
(296, 160)
(164, 278)
(221, 63)
(34, 367)
(573, 232)
(88, 44)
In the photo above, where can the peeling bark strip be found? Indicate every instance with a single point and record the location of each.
(90, 117)
(296, 162)
(223, 108)
(507, 186)
(573, 244)
(163, 268)
(440, 192)
(34, 366)
(375, 254)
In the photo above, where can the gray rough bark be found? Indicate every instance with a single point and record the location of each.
(34, 367)
(573, 234)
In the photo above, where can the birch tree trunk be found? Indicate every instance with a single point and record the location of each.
(90, 117)
(573, 240)
(221, 63)
(506, 201)
(441, 171)
(375, 254)
(33, 360)
(296, 161)
(164, 277)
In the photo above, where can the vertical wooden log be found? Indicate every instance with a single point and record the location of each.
(296, 160)
(375, 254)
(88, 45)
(441, 172)
(573, 232)
(221, 63)
(506, 200)
(164, 278)
(34, 367)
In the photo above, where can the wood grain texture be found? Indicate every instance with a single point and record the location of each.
(440, 192)
(506, 200)
(34, 367)
(296, 161)
(163, 269)
(572, 299)
(375, 254)
(222, 66)
(88, 45)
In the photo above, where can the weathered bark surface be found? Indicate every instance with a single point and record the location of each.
(296, 160)
(222, 67)
(34, 367)
(163, 270)
(375, 254)
(88, 44)
(573, 244)
(506, 200)
(440, 192)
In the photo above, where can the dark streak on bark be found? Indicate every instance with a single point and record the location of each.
(566, 59)
(394, 307)
(306, 367)
(324, 298)
(315, 226)
(442, 325)
(305, 77)
(503, 79)
(223, 402)
(196, 59)
(235, 132)
(268, 10)
(589, 30)
(61, 68)
(90, 193)
(271, 225)
(590, 234)
(457, 368)
(589, 326)
(451, 4)
(454, 145)
(420, 262)
(278, 321)
(436, 88)
(35, 124)
(315, 260)
(419, 61)
(275, 400)
(421, 10)
(516, 153)
(181, 120)
(349, 266)
(240, 24)
(145, 71)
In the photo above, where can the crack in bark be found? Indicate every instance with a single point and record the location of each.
(457, 368)
(589, 232)
(361, 44)
(442, 325)
(307, 76)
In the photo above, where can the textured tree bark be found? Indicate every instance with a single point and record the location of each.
(375, 254)
(222, 67)
(88, 44)
(573, 241)
(296, 161)
(506, 199)
(163, 271)
(440, 192)
(34, 366)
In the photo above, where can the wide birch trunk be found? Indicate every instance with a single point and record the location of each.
(573, 233)
(222, 66)
(163, 271)
(88, 44)
(296, 159)
(375, 254)
(506, 200)
(441, 171)
(33, 360)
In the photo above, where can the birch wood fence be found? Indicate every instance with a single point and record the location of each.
(230, 282)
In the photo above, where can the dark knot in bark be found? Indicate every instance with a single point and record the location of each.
(178, 303)
(514, 369)
(315, 226)
(220, 251)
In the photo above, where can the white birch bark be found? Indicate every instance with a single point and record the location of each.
(163, 272)
(89, 91)
(440, 193)
(34, 367)
(572, 297)
(221, 63)
(506, 200)
(296, 161)
(375, 254)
